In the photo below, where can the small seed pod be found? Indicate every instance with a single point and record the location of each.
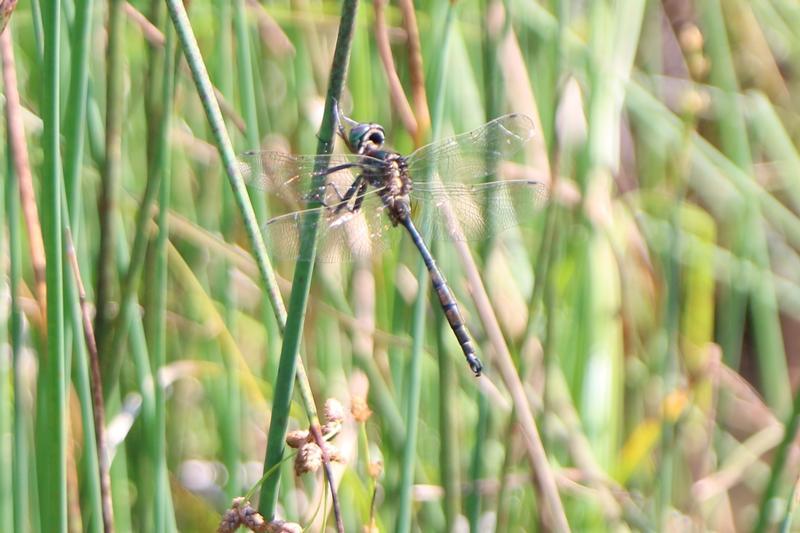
(308, 459)
(229, 522)
(359, 408)
(279, 526)
(330, 428)
(333, 453)
(231, 519)
(375, 469)
(334, 412)
(297, 438)
(252, 519)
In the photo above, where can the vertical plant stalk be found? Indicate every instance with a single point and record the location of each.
(51, 421)
(301, 284)
(75, 116)
(19, 474)
(403, 524)
(448, 426)
(19, 156)
(162, 166)
(398, 96)
(111, 174)
(97, 390)
(214, 115)
(777, 467)
(416, 71)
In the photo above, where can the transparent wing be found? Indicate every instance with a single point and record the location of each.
(341, 236)
(473, 155)
(291, 177)
(474, 212)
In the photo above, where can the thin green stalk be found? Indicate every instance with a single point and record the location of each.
(114, 349)
(247, 96)
(15, 331)
(96, 504)
(159, 342)
(51, 425)
(229, 405)
(777, 468)
(408, 465)
(473, 503)
(214, 116)
(19, 473)
(75, 117)
(448, 426)
(38, 31)
(6, 458)
(287, 366)
(110, 180)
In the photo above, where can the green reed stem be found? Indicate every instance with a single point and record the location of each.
(75, 115)
(159, 341)
(19, 475)
(51, 422)
(110, 180)
(302, 274)
(403, 524)
(777, 467)
(448, 425)
(287, 365)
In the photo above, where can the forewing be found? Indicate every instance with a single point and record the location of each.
(292, 177)
(473, 155)
(465, 212)
(342, 235)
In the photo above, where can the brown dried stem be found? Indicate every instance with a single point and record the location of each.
(396, 93)
(98, 410)
(416, 70)
(326, 464)
(19, 155)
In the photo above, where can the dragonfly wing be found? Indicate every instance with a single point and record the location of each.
(475, 154)
(464, 212)
(341, 236)
(295, 179)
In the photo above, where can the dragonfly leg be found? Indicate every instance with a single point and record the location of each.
(357, 184)
(337, 168)
(362, 190)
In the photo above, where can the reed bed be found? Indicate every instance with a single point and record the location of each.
(166, 368)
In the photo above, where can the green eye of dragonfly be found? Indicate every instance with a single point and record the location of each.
(367, 133)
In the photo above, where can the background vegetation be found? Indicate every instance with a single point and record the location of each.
(645, 318)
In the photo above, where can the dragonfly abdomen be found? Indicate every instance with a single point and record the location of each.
(446, 299)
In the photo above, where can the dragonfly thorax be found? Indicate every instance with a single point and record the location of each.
(392, 179)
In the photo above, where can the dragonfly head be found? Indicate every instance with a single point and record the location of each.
(360, 137)
(364, 138)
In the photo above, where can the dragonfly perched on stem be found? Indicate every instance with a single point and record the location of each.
(361, 196)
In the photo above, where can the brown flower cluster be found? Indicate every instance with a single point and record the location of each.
(241, 513)
(309, 456)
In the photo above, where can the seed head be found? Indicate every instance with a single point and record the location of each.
(359, 408)
(308, 459)
(297, 438)
(334, 412)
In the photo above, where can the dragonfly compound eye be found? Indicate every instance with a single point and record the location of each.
(364, 137)
(376, 136)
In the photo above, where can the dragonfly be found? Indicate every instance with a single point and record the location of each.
(360, 197)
